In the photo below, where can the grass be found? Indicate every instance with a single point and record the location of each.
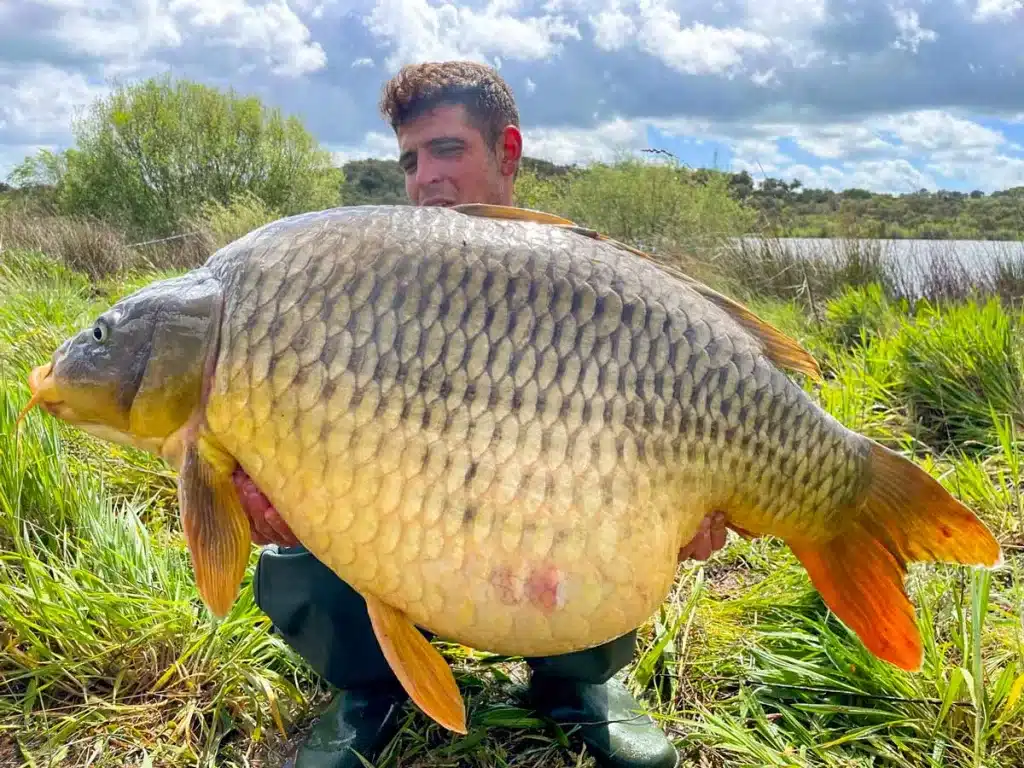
(108, 659)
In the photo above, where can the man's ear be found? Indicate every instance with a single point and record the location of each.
(511, 150)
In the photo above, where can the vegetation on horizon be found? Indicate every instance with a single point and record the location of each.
(135, 162)
(107, 657)
(777, 207)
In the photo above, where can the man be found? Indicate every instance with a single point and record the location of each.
(459, 142)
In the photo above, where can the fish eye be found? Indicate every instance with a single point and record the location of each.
(100, 331)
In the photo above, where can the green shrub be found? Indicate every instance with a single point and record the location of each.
(860, 314)
(962, 364)
(226, 223)
(152, 152)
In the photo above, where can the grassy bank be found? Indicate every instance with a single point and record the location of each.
(107, 657)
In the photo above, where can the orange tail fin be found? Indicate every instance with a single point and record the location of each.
(904, 516)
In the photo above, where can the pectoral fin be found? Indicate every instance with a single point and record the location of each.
(419, 666)
(215, 525)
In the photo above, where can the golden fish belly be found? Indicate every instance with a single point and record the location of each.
(508, 440)
(507, 549)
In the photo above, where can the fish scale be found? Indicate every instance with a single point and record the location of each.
(475, 433)
(497, 426)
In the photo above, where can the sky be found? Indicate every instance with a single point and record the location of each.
(885, 95)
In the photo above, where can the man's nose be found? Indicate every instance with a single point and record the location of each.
(428, 171)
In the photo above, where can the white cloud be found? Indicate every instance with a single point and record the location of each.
(697, 49)
(374, 144)
(655, 27)
(785, 17)
(580, 145)
(613, 29)
(271, 28)
(933, 130)
(135, 30)
(763, 155)
(832, 142)
(982, 170)
(996, 10)
(823, 177)
(897, 175)
(126, 32)
(41, 101)
(911, 33)
(421, 31)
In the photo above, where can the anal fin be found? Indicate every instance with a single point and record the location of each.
(419, 666)
(215, 525)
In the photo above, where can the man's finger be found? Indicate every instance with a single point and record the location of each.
(702, 547)
(718, 531)
(685, 552)
(265, 531)
(258, 538)
(285, 537)
(694, 547)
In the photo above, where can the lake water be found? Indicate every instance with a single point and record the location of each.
(914, 261)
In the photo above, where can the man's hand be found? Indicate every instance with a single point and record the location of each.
(710, 538)
(265, 523)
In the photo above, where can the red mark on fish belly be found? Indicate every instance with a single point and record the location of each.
(543, 588)
(507, 585)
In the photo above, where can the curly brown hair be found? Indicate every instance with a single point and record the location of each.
(418, 88)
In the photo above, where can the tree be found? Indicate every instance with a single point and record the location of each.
(151, 154)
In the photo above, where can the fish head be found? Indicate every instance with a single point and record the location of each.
(135, 375)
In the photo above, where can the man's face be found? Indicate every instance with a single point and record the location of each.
(447, 162)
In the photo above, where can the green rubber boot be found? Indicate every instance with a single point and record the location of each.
(325, 621)
(578, 691)
(358, 722)
(610, 721)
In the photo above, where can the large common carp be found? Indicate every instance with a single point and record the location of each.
(496, 426)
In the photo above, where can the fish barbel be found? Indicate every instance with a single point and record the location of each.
(497, 426)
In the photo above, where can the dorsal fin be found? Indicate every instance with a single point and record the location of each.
(780, 348)
(511, 212)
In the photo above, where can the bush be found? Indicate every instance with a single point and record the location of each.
(149, 155)
(658, 207)
(223, 224)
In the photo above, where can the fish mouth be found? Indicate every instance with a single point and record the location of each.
(438, 202)
(44, 393)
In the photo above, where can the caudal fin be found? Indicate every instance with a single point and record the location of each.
(904, 516)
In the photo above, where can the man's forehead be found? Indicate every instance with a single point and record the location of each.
(447, 120)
